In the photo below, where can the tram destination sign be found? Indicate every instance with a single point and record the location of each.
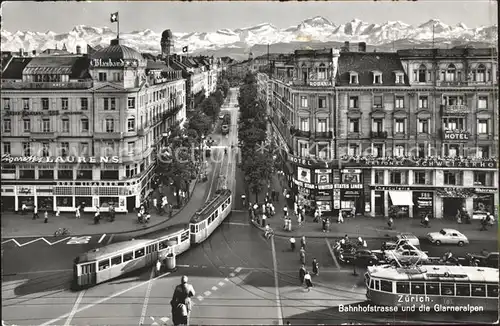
(7, 158)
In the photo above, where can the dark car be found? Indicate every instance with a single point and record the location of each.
(488, 260)
(365, 257)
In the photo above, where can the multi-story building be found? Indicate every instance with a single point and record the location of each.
(79, 128)
(430, 113)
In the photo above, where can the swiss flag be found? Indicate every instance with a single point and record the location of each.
(114, 17)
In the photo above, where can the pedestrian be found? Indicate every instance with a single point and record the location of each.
(295, 209)
(112, 212)
(327, 224)
(285, 211)
(273, 210)
(181, 302)
(58, 212)
(155, 204)
(303, 242)
(365, 245)
(302, 273)
(46, 216)
(97, 215)
(307, 280)
(292, 243)
(426, 221)
(341, 217)
(158, 267)
(23, 209)
(243, 200)
(289, 225)
(263, 222)
(390, 223)
(35, 212)
(302, 255)
(250, 210)
(316, 216)
(315, 266)
(77, 212)
(324, 224)
(484, 223)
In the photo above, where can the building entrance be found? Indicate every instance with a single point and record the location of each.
(451, 205)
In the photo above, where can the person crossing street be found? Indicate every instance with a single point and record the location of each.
(181, 302)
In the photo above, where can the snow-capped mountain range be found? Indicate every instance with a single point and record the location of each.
(314, 30)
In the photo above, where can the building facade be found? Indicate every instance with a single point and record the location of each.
(430, 113)
(85, 129)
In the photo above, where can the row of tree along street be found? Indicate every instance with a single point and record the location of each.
(257, 162)
(177, 165)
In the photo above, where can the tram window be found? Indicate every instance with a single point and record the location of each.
(86, 269)
(216, 213)
(377, 284)
(103, 264)
(116, 260)
(386, 286)
(493, 290)
(478, 290)
(403, 287)
(128, 256)
(372, 284)
(173, 241)
(463, 290)
(447, 289)
(139, 253)
(193, 228)
(417, 288)
(163, 245)
(432, 288)
(184, 236)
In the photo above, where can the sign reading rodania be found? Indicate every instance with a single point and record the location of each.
(7, 158)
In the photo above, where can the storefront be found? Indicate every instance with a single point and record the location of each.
(351, 190)
(485, 199)
(454, 199)
(423, 204)
(8, 198)
(396, 202)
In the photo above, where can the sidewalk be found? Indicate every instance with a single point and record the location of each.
(17, 225)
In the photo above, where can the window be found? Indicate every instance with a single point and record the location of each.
(483, 152)
(303, 149)
(64, 103)
(423, 102)
(323, 151)
(103, 264)
(377, 78)
(139, 253)
(451, 72)
(421, 150)
(403, 287)
(131, 124)
(483, 178)
(398, 177)
(385, 286)
(109, 149)
(304, 124)
(353, 102)
(6, 148)
(321, 127)
(45, 125)
(131, 147)
(322, 71)
(64, 149)
(6, 103)
(130, 170)
(377, 101)
(27, 149)
(400, 79)
(353, 78)
(417, 288)
(453, 100)
(378, 150)
(400, 102)
(454, 123)
(379, 176)
(116, 260)
(303, 101)
(103, 77)
(27, 125)
(399, 126)
(422, 177)
(482, 126)
(45, 103)
(423, 126)
(354, 125)
(421, 74)
(128, 256)
(377, 125)
(84, 149)
(463, 290)
(85, 125)
(110, 125)
(45, 149)
(478, 290)
(131, 102)
(399, 150)
(482, 102)
(322, 102)
(353, 150)
(481, 73)
(452, 178)
(84, 103)
(65, 125)
(112, 104)
(447, 289)
(26, 103)
(432, 288)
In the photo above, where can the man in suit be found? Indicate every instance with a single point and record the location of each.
(181, 302)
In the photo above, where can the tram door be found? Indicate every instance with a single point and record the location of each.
(87, 274)
(151, 254)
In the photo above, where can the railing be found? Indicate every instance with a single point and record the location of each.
(46, 85)
(378, 134)
(42, 134)
(451, 83)
(323, 134)
(108, 135)
(300, 133)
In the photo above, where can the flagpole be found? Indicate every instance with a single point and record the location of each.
(118, 27)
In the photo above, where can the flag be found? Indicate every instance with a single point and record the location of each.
(114, 17)
(184, 49)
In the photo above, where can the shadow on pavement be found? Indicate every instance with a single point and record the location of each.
(35, 283)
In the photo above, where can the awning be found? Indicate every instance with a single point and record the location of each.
(401, 198)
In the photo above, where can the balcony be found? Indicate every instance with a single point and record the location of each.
(325, 134)
(46, 85)
(173, 111)
(312, 82)
(43, 135)
(451, 83)
(108, 135)
(299, 133)
(454, 109)
(378, 134)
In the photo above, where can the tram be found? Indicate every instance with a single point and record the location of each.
(108, 262)
(433, 287)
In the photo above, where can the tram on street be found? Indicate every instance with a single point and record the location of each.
(438, 287)
(108, 262)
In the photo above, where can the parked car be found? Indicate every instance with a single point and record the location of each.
(405, 256)
(489, 260)
(447, 236)
(365, 257)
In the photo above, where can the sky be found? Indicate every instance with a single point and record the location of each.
(211, 16)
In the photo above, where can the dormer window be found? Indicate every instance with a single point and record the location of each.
(481, 73)
(322, 71)
(377, 77)
(400, 77)
(420, 74)
(353, 78)
(103, 77)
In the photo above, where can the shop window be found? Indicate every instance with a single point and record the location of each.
(463, 290)
(403, 287)
(8, 169)
(64, 201)
(478, 290)
(432, 288)
(46, 174)
(447, 289)
(26, 174)
(398, 177)
(65, 174)
(453, 178)
(482, 178)
(84, 174)
(385, 286)
(417, 288)
(109, 175)
(379, 176)
(84, 201)
(106, 201)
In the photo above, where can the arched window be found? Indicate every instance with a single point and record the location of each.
(110, 125)
(451, 72)
(481, 73)
(322, 71)
(422, 72)
(305, 75)
(131, 124)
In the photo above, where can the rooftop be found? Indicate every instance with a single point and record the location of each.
(117, 51)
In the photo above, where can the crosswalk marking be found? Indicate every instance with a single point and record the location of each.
(207, 293)
(214, 288)
(200, 298)
(221, 284)
(35, 240)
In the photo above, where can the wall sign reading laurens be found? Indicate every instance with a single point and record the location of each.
(7, 158)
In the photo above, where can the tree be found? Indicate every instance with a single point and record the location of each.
(258, 169)
(200, 123)
(251, 136)
(219, 97)
(210, 107)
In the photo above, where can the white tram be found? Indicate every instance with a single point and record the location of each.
(434, 286)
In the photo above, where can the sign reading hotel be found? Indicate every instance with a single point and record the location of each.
(7, 158)
(455, 135)
(120, 63)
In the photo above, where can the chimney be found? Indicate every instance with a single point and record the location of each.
(346, 46)
(33, 53)
(361, 47)
(115, 41)
(21, 52)
(78, 49)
